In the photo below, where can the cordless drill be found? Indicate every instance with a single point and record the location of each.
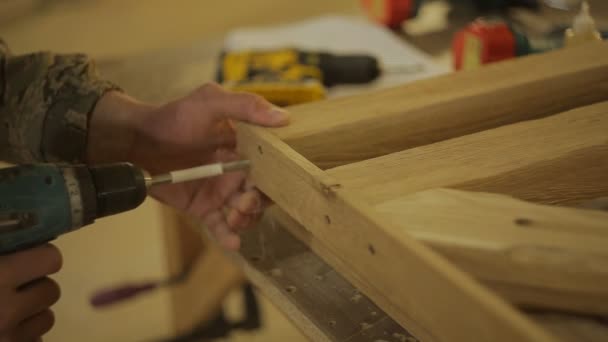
(41, 202)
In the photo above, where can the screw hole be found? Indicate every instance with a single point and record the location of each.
(291, 289)
(255, 258)
(523, 222)
(371, 249)
(260, 149)
(332, 323)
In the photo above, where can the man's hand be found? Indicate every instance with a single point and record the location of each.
(192, 131)
(26, 293)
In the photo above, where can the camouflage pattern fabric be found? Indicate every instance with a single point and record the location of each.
(45, 103)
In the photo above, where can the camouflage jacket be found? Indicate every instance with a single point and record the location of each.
(45, 103)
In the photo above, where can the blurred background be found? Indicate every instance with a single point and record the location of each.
(132, 246)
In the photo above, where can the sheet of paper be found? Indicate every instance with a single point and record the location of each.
(342, 35)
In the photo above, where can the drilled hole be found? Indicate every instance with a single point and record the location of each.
(260, 149)
(332, 323)
(291, 289)
(48, 180)
(327, 219)
(523, 222)
(371, 249)
(255, 258)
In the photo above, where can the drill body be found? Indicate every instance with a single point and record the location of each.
(41, 202)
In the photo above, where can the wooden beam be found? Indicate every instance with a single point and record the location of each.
(573, 328)
(186, 248)
(280, 253)
(448, 106)
(561, 159)
(535, 255)
(414, 285)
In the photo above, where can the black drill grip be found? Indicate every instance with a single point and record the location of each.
(348, 69)
(120, 187)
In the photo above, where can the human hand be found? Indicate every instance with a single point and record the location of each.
(191, 131)
(26, 293)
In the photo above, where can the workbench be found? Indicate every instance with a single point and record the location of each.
(281, 260)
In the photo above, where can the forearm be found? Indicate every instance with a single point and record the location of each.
(46, 102)
(112, 128)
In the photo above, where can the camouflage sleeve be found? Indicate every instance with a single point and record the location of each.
(45, 103)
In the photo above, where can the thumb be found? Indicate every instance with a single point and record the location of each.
(253, 109)
(245, 107)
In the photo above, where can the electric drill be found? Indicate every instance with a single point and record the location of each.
(41, 202)
(290, 76)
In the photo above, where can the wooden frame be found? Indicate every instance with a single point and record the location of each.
(375, 245)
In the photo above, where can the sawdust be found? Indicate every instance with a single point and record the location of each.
(365, 325)
(356, 297)
(404, 338)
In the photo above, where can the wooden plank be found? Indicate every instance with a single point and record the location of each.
(440, 108)
(279, 253)
(186, 248)
(573, 328)
(414, 285)
(536, 255)
(562, 159)
(317, 299)
(566, 327)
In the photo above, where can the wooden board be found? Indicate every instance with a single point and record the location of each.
(415, 286)
(552, 248)
(191, 304)
(421, 291)
(331, 133)
(566, 327)
(535, 255)
(561, 159)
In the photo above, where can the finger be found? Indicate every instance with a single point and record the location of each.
(238, 221)
(36, 297)
(241, 106)
(247, 203)
(224, 135)
(250, 185)
(34, 327)
(217, 226)
(24, 266)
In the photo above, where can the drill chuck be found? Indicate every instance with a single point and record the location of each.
(41, 202)
(119, 188)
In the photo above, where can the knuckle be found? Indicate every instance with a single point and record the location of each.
(6, 319)
(250, 103)
(47, 319)
(53, 291)
(54, 259)
(209, 88)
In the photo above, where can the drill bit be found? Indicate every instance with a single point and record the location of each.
(198, 172)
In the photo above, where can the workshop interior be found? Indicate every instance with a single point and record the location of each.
(444, 176)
